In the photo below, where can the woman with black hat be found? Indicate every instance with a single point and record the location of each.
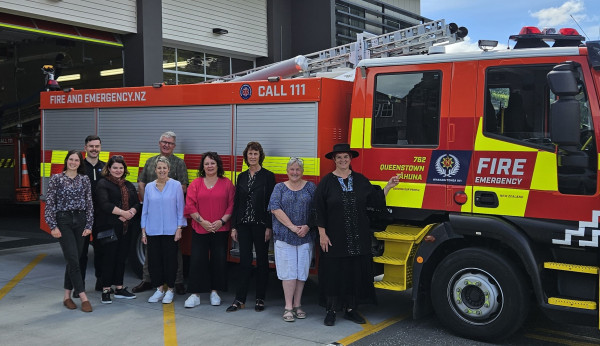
(345, 264)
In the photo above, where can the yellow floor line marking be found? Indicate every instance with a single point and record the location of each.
(12, 283)
(569, 335)
(169, 326)
(559, 340)
(369, 329)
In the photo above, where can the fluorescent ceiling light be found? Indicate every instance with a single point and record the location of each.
(180, 64)
(113, 72)
(69, 77)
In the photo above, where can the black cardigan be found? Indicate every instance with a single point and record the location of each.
(261, 194)
(108, 195)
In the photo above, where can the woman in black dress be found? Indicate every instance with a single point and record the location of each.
(345, 264)
(118, 205)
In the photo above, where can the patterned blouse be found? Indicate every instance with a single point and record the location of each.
(297, 206)
(249, 213)
(66, 194)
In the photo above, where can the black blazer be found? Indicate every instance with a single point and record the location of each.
(108, 195)
(261, 194)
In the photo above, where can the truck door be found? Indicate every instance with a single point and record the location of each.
(517, 170)
(284, 130)
(405, 119)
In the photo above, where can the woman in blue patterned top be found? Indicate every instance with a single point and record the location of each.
(290, 206)
(70, 214)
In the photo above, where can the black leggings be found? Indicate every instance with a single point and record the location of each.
(248, 236)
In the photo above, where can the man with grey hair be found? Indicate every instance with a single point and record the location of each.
(178, 171)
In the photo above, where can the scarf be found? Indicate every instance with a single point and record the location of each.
(124, 197)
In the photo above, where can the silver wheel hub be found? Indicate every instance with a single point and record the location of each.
(474, 296)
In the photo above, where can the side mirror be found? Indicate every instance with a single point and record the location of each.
(564, 113)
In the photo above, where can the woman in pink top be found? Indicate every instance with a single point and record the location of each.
(209, 203)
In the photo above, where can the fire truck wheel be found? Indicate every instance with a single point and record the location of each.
(480, 294)
(137, 254)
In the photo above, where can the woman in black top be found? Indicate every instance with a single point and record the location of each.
(345, 264)
(252, 225)
(118, 205)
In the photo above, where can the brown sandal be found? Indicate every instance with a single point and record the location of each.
(299, 313)
(289, 315)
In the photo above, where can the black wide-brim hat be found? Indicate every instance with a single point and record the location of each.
(341, 148)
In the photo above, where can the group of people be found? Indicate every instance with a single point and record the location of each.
(295, 213)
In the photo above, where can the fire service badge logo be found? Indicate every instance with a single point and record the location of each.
(447, 165)
(245, 91)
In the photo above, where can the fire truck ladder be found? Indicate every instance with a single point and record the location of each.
(410, 41)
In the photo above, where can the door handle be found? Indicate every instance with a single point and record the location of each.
(486, 199)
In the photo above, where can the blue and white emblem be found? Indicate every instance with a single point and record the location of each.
(245, 91)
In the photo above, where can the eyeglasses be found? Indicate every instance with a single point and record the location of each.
(296, 159)
(118, 156)
(171, 144)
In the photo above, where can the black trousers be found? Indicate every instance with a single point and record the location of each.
(114, 258)
(208, 262)
(248, 236)
(162, 259)
(71, 225)
(83, 260)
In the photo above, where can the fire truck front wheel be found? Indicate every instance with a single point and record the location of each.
(480, 294)
(137, 254)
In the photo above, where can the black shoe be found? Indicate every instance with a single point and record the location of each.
(123, 293)
(235, 306)
(98, 285)
(106, 297)
(143, 286)
(180, 289)
(354, 316)
(260, 305)
(330, 318)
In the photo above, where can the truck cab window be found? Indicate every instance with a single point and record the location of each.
(406, 109)
(517, 110)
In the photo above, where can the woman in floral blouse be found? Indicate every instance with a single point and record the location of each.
(70, 214)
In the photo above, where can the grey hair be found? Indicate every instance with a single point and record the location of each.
(164, 160)
(168, 134)
(297, 160)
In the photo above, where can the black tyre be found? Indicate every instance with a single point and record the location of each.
(480, 294)
(137, 254)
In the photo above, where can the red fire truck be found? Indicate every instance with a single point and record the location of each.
(496, 151)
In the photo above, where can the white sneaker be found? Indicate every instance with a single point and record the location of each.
(158, 295)
(168, 299)
(192, 301)
(214, 299)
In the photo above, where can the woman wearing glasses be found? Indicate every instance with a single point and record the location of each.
(290, 205)
(345, 262)
(118, 205)
(251, 225)
(209, 202)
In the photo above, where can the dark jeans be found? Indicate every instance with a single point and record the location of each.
(113, 260)
(208, 262)
(249, 235)
(162, 259)
(71, 225)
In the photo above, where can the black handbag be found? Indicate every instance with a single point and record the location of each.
(107, 236)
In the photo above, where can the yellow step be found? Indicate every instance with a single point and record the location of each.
(579, 304)
(391, 286)
(389, 260)
(571, 267)
(403, 233)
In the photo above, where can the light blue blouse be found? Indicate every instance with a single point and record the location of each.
(162, 212)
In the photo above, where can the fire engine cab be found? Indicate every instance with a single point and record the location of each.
(496, 151)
